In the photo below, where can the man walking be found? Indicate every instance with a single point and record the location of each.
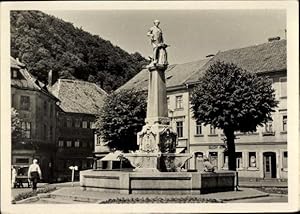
(34, 174)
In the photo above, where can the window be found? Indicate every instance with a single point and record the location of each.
(283, 88)
(25, 103)
(22, 160)
(225, 160)
(51, 110)
(239, 160)
(84, 124)
(198, 128)
(77, 123)
(77, 143)
(69, 143)
(252, 159)
(45, 107)
(168, 102)
(99, 140)
(14, 74)
(269, 127)
(213, 158)
(45, 132)
(60, 143)
(179, 102)
(284, 123)
(50, 132)
(84, 144)
(212, 130)
(285, 160)
(179, 128)
(69, 122)
(92, 124)
(26, 127)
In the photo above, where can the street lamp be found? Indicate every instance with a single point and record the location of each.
(73, 168)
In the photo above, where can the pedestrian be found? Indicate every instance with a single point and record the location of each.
(13, 176)
(34, 174)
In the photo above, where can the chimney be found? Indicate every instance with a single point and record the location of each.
(272, 39)
(50, 78)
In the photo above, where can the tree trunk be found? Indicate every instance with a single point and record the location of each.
(229, 133)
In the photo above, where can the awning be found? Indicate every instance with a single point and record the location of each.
(112, 156)
(180, 150)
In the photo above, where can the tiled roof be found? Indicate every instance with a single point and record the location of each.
(265, 57)
(78, 96)
(27, 81)
(261, 58)
(175, 75)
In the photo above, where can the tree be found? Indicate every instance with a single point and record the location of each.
(232, 99)
(121, 117)
(16, 127)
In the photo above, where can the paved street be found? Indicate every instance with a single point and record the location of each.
(269, 199)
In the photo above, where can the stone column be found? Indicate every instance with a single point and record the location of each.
(157, 109)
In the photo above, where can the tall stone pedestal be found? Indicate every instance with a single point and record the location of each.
(157, 141)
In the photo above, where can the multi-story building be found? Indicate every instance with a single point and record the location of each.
(37, 109)
(80, 101)
(262, 154)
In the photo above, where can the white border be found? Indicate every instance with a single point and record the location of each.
(293, 107)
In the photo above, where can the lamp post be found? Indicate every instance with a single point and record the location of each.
(73, 168)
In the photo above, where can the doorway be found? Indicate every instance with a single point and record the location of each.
(269, 164)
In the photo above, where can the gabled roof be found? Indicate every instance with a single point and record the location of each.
(175, 75)
(267, 57)
(78, 96)
(263, 58)
(26, 81)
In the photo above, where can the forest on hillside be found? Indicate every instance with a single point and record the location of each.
(44, 42)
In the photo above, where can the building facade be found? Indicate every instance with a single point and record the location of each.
(80, 101)
(262, 154)
(36, 108)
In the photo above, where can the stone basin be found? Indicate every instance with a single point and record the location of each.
(125, 182)
(154, 162)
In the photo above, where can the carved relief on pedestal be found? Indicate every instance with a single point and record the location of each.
(147, 140)
(167, 140)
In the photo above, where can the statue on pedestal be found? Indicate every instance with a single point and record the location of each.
(159, 47)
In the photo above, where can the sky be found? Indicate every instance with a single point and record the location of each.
(191, 34)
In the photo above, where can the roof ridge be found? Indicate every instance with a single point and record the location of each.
(252, 46)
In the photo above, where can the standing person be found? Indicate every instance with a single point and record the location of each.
(13, 176)
(34, 174)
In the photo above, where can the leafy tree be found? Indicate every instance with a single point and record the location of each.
(46, 43)
(232, 99)
(16, 128)
(121, 117)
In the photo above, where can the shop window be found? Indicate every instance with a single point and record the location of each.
(252, 159)
(22, 160)
(179, 128)
(179, 102)
(25, 103)
(285, 160)
(239, 160)
(213, 158)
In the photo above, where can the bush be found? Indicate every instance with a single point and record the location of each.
(158, 199)
(25, 195)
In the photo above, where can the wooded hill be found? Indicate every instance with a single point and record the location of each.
(44, 43)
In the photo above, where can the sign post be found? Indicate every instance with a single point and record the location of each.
(73, 168)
